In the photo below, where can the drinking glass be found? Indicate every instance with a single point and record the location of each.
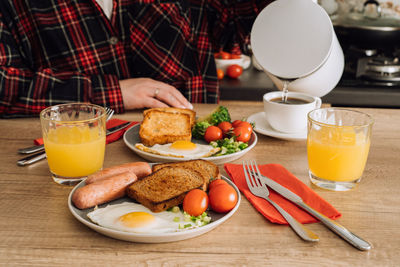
(338, 142)
(74, 137)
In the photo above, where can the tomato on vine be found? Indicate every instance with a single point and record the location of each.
(225, 126)
(242, 134)
(234, 71)
(213, 133)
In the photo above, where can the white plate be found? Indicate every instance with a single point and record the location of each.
(216, 219)
(244, 61)
(263, 127)
(131, 137)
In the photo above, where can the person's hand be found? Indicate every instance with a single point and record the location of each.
(148, 93)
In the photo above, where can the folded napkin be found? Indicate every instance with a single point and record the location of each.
(110, 138)
(282, 176)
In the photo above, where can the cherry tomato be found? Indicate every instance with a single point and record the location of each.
(225, 126)
(195, 202)
(224, 55)
(234, 71)
(233, 56)
(222, 198)
(236, 123)
(213, 133)
(246, 125)
(215, 183)
(242, 134)
(220, 74)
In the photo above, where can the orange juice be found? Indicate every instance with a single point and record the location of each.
(338, 143)
(75, 151)
(337, 153)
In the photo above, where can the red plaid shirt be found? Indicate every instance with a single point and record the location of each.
(57, 51)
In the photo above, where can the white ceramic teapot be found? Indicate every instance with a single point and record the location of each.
(295, 40)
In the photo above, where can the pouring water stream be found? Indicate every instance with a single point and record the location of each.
(285, 89)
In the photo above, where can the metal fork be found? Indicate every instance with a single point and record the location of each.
(260, 189)
(109, 113)
(38, 148)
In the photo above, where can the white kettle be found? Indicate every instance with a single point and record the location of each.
(295, 40)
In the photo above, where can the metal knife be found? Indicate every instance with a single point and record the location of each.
(41, 155)
(31, 149)
(340, 230)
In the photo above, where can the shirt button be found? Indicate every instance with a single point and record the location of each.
(113, 40)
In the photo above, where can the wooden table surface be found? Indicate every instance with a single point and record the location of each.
(36, 227)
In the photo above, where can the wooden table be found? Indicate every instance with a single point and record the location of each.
(36, 227)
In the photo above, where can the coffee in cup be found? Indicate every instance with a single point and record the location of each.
(290, 101)
(289, 116)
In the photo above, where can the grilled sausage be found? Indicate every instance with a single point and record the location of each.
(103, 191)
(140, 169)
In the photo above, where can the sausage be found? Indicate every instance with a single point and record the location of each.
(103, 191)
(140, 169)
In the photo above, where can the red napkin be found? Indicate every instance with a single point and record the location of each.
(110, 138)
(282, 176)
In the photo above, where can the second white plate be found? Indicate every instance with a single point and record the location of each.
(131, 137)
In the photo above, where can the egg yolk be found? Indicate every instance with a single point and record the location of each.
(136, 219)
(183, 145)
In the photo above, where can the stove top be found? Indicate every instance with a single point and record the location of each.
(371, 67)
(380, 69)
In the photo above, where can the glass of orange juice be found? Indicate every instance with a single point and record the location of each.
(338, 142)
(74, 137)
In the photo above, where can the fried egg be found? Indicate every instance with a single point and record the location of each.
(180, 149)
(135, 218)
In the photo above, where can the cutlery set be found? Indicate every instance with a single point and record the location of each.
(258, 185)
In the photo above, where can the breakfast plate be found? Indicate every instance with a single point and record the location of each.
(131, 137)
(216, 219)
(262, 126)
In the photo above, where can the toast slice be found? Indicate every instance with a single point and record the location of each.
(160, 127)
(191, 113)
(165, 188)
(206, 168)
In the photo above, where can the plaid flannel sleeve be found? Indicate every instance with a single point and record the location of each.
(25, 90)
(231, 22)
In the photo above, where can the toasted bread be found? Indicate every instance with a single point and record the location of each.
(165, 188)
(191, 113)
(206, 168)
(160, 127)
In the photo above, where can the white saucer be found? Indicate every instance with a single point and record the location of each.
(263, 127)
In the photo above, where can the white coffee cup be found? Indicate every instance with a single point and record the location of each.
(289, 118)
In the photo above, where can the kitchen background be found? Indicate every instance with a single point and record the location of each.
(369, 33)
